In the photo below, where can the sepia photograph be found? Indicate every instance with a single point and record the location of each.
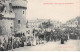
(39, 25)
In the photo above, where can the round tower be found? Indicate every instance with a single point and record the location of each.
(19, 8)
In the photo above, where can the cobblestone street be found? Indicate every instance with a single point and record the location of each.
(70, 45)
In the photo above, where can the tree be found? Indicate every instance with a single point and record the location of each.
(45, 25)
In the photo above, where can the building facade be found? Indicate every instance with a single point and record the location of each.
(13, 16)
(7, 17)
(72, 23)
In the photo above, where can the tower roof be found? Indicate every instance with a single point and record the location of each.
(22, 3)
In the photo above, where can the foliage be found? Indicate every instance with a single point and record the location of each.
(45, 25)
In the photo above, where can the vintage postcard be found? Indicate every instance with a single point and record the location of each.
(39, 25)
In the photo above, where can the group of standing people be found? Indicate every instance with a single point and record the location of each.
(6, 44)
(56, 36)
(10, 43)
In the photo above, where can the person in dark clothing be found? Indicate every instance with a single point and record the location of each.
(5, 45)
(9, 43)
(62, 40)
(1, 46)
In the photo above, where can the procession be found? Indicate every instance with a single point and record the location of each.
(16, 32)
(20, 40)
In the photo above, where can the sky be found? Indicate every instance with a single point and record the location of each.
(47, 9)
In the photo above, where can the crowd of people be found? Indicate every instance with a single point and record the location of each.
(19, 39)
(11, 43)
(59, 35)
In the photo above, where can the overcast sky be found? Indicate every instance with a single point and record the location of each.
(60, 12)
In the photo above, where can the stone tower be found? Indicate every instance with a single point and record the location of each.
(19, 8)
